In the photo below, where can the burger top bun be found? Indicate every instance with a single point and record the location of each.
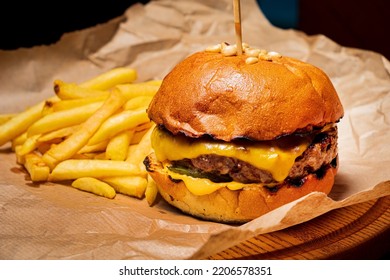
(226, 97)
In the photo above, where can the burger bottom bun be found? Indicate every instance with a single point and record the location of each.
(240, 206)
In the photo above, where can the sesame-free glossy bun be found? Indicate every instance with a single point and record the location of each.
(211, 94)
(239, 206)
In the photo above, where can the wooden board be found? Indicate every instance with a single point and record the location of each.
(360, 231)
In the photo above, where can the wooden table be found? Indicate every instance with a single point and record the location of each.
(360, 231)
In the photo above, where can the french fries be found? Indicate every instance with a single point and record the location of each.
(29, 145)
(5, 117)
(93, 185)
(141, 89)
(72, 91)
(93, 135)
(99, 147)
(137, 102)
(62, 119)
(72, 103)
(18, 141)
(109, 79)
(58, 134)
(37, 169)
(151, 191)
(77, 140)
(19, 123)
(118, 146)
(125, 120)
(130, 185)
(140, 151)
(78, 168)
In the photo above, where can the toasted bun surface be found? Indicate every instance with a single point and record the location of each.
(211, 94)
(238, 206)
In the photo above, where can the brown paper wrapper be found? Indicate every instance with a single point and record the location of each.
(54, 221)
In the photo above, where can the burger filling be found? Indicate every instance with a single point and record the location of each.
(289, 158)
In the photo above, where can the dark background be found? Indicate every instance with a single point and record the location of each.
(351, 23)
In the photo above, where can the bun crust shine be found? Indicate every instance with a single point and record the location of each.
(226, 98)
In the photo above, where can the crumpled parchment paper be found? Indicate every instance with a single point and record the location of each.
(54, 221)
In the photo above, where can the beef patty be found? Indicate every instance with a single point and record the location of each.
(320, 152)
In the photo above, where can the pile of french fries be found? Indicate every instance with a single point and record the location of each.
(93, 135)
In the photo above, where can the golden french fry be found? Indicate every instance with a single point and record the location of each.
(138, 135)
(100, 156)
(73, 91)
(49, 104)
(78, 168)
(48, 107)
(143, 127)
(43, 147)
(63, 119)
(19, 158)
(151, 191)
(125, 120)
(6, 117)
(59, 133)
(94, 186)
(128, 185)
(20, 123)
(71, 145)
(138, 89)
(140, 131)
(36, 168)
(118, 146)
(19, 140)
(137, 102)
(85, 156)
(131, 150)
(111, 78)
(143, 148)
(73, 103)
(29, 145)
(154, 82)
(99, 147)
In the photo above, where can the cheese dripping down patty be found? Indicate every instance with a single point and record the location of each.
(275, 156)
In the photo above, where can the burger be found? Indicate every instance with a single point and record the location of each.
(239, 135)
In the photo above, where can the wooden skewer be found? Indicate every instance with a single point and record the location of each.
(237, 25)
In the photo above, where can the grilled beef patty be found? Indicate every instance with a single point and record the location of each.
(320, 152)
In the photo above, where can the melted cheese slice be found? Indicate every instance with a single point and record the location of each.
(276, 157)
(202, 186)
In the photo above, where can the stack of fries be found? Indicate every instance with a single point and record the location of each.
(92, 135)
